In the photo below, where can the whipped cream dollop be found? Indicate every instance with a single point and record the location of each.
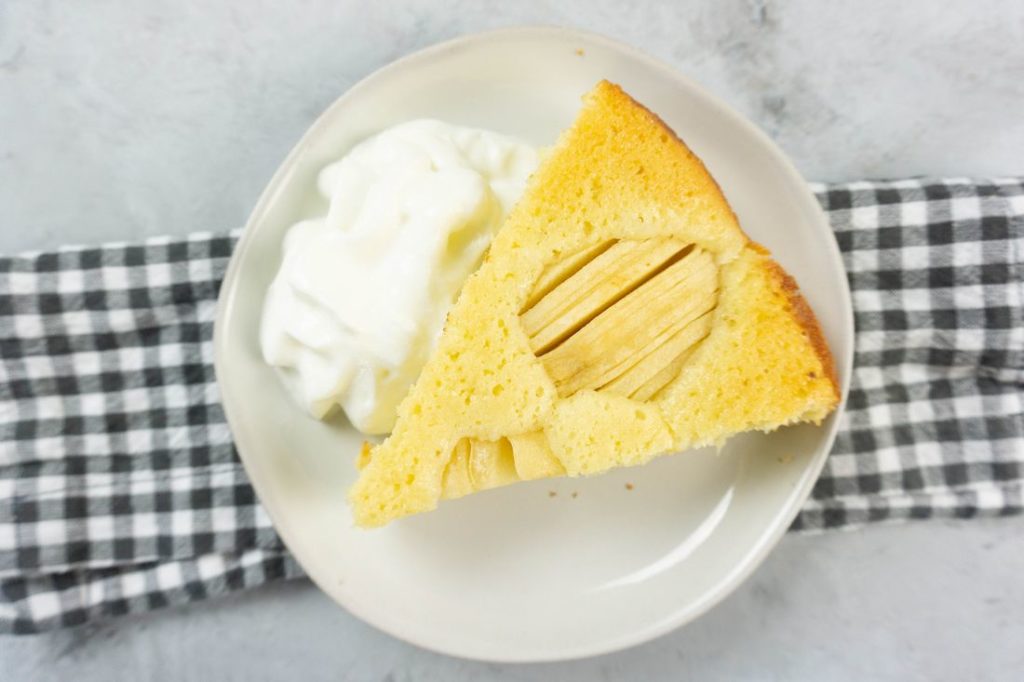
(362, 293)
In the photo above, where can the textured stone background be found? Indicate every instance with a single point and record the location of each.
(120, 119)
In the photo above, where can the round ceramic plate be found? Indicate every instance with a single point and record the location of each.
(550, 569)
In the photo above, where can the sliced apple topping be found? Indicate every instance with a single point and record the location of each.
(481, 464)
(564, 269)
(595, 287)
(626, 320)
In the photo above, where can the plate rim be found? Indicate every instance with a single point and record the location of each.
(757, 553)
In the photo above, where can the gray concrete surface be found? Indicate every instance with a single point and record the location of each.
(120, 119)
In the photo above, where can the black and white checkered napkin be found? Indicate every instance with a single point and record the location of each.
(120, 490)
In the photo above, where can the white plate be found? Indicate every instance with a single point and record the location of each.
(517, 574)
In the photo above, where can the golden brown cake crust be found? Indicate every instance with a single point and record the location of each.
(617, 89)
(803, 314)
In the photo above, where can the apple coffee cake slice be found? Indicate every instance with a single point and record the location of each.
(621, 313)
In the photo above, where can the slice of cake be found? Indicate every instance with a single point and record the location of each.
(621, 313)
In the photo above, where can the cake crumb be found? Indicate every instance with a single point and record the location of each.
(629, 486)
(574, 494)
(579, 52)
(551, 493)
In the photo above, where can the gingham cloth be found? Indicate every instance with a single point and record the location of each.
(120, 490)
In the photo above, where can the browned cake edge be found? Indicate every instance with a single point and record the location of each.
(668, 129)
(805, 317)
